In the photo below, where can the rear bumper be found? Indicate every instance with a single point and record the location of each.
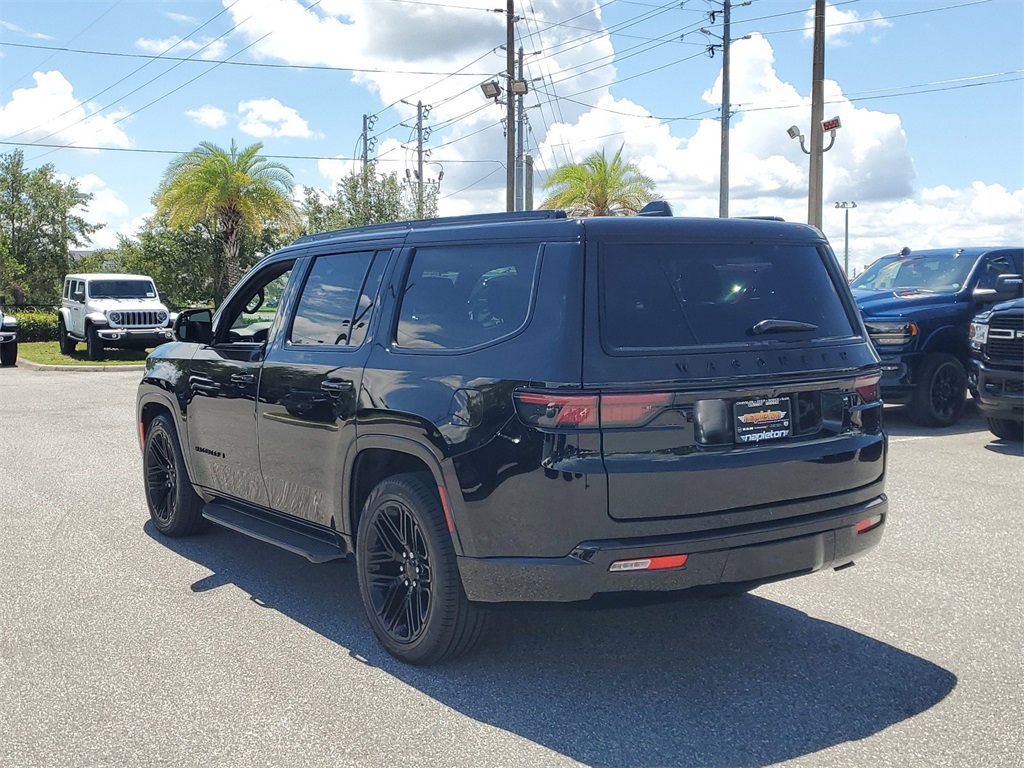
(999, 393)
(899, 375)
(749, 554)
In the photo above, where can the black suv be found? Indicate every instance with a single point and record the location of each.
(996, 378)
(917, 306)
(519, 407)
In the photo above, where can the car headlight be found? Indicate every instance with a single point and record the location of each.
(161, 317)
(891, 334)
(114, 317)
(978, 334)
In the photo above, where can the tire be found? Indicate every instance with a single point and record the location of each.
(67, 344)
(174, 506)
(93, 344)
(941, 392)
(1007, 429)
(408, 577)
(9, 353)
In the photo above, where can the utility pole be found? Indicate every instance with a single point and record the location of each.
(419, 159)
(846, 251)
(368, 123)
(723, 177)
(510, 144)
(528, 182)
(814, 197)
(519, 178)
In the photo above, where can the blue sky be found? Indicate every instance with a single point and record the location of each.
(930, 93)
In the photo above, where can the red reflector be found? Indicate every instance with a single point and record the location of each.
(867, 525)
(867, 387)
(649, 563)
(622, 410)
(447, 510)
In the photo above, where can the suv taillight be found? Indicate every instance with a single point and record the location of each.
(867, 388)
(587, 410)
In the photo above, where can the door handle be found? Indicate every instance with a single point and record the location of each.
(242, 378)
(336, 385)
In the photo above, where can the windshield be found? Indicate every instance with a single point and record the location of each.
(936, 273)
(122, 289)
(688, 294)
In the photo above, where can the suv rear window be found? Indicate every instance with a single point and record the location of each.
(670, 295)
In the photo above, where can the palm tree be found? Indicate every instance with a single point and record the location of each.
(230, 192)
(596, 187)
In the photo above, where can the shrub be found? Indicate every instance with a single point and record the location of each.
(37, 326)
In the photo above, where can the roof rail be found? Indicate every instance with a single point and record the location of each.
(762, 218)
(444, 221)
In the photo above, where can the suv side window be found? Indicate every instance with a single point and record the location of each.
(252, 313)
(460, 297)
(327, 308)
(992, 268)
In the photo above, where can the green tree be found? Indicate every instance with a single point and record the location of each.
(597, 187)
(365, 197)
(39, 226)
(231, 193)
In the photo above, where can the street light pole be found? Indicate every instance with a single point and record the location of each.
(846, 250)
(817, 113)
(510, 133)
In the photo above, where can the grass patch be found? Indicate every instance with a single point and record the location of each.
(48, 353)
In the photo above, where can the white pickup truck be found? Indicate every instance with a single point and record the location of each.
(112, 310)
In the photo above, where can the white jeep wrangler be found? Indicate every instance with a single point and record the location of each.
(110, 310)
(8, 339)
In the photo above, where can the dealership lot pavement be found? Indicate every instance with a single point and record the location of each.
(120, 648)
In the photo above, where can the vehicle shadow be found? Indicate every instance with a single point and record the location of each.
(1005, 447)
(898, 424)
(743, 681)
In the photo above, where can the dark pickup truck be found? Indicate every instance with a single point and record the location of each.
(917, 306)
(996, 377)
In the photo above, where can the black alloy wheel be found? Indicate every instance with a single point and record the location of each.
(941, 392)
(174, 506)
(408, 575)
(67, 344)
(399, 572)
(93, 344)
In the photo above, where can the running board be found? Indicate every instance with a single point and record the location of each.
(299, 539)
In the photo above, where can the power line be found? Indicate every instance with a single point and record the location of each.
(253, 64)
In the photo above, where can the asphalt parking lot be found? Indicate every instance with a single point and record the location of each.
(120, 648)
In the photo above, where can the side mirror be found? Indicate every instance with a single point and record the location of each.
(194, 326)
(1007, 287)
(78, 296)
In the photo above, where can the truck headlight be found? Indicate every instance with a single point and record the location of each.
(978, 334)
(161, 317)
(891, 334)
(114, 317)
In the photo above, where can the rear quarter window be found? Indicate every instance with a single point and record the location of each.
(691, 294)
(459, 297)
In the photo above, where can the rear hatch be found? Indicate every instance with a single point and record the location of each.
(728, 374)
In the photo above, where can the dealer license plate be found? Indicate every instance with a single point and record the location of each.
(767, 418)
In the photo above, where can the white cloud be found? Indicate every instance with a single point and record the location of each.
(269, 117)
(22, 31)
(50, 113)
(108, 210)
(841, 24)
(181, 17)
(209, 116)
(210, 48)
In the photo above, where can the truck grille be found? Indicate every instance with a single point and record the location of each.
(1006, 339)
(136, 318)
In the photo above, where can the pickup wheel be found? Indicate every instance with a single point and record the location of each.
(93, 344)
(67, 344)
(1007, 429)
(408, 576)
(9, 353)
(174, 506)
(938, 400)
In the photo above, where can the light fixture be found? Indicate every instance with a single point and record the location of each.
(793, 132)
(519, 88)
(491, 89)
